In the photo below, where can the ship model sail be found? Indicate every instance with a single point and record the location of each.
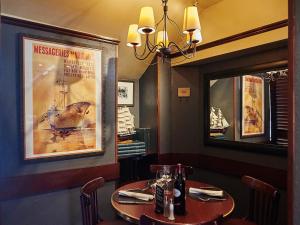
(218, 123)
(126, 128)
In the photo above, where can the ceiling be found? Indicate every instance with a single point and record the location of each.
(102, 17)
(203, 4)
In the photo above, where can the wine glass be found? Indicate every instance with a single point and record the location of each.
(163, 176)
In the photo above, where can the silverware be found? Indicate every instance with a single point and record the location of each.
(206, 199)
(134, 202)
(139, 189)
(209, 188)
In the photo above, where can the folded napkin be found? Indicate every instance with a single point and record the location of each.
(215, 193)
(141, 196)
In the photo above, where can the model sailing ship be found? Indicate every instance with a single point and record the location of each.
(126, 129)
(218, 123)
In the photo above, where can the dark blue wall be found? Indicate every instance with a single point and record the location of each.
(56, 208)
(148, 103)
(59, 207)
(187, 137)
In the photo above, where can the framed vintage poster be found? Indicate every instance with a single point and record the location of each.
(62, 98)
(252, 106)
(125, 93)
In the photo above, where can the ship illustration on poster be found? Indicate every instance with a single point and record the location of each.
(64, 119)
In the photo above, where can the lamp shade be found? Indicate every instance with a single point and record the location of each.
(196, 37)
(162, 39)
(191, 20)
(134, 37)
(146, 22)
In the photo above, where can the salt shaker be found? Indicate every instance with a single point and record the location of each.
(171, 211)
(166, 207)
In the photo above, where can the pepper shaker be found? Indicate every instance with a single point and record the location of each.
(166, 207)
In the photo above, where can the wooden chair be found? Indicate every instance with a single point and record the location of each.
(145, 220)
(187, 169)
(263, 205)
(89, 204)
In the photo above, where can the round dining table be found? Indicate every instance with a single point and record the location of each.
(197, 211)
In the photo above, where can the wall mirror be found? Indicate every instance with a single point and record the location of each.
(248, 109)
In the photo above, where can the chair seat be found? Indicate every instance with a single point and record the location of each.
(238, 222)
(114, 222)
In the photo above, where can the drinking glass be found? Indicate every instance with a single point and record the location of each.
(164, 180)
(161, 175)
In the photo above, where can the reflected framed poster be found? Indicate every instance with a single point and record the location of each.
(126, 93)
(252, 106)
(62, 98)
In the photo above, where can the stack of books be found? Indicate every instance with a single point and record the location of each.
(131, 149)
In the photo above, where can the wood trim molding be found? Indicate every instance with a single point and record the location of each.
(228, 167)
(291, 111)
(235, 37)
(58, 30)
(158, 61)
(27, 185)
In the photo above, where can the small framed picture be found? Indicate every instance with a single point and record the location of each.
(184, 92)
(125, 93)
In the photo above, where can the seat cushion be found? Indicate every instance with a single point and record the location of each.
(238, 222)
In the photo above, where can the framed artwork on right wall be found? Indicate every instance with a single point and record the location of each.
(252, 106)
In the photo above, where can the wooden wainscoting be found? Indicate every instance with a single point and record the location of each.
(276, 177)
(26, 185)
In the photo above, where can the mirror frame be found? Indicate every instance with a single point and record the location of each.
(238, 145)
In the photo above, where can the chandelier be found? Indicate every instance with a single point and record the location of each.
(160, 43)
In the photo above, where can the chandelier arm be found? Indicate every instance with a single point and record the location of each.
(154, 37)
(141, 57)
(176, 25)
(187, 47)
(152, 48)
(184, 53)
(157, 24)
(156, 27)
(148, 43)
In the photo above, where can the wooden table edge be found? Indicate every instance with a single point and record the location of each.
(134, 220)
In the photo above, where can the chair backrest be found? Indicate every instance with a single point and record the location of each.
(264, 201)
(187, 169)
(89, 203)
(145, 220)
